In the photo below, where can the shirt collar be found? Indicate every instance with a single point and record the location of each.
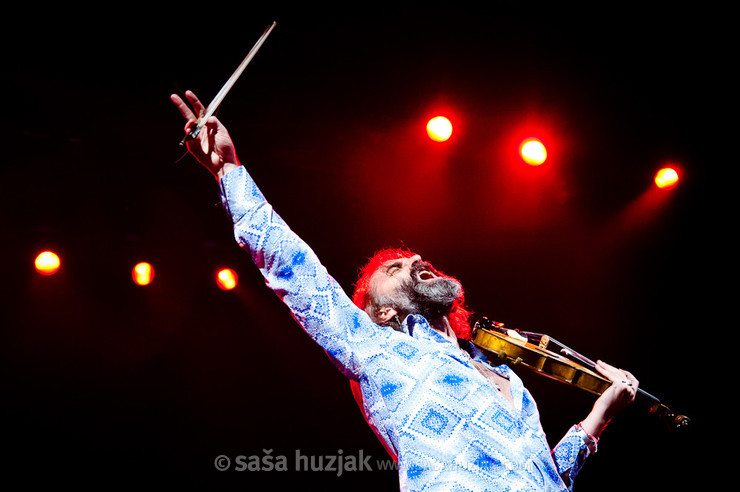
(417, 326)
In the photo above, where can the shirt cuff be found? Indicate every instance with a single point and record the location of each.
(591, 442)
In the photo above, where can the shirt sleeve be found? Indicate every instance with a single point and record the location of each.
(571, 452)
(295, 274)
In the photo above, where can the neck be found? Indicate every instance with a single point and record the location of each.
(442, 325)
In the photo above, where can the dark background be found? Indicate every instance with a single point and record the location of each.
(109, 385)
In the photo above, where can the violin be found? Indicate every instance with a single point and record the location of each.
(534, 351)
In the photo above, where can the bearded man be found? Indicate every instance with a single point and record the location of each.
(451, 419)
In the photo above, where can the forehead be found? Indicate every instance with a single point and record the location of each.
(386, 258)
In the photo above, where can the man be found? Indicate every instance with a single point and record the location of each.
(450, 419)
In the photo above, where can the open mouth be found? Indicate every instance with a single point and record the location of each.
(423, 271)
(425, 274)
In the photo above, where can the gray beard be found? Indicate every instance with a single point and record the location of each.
(432, 299)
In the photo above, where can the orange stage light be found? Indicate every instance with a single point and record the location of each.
(226, 279)
(439, 129)
(533, 152)
(666, 178)
(142, 273)
(47, 263)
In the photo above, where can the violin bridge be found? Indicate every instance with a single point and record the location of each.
(544, 341)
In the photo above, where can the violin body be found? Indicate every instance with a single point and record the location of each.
(517, 351)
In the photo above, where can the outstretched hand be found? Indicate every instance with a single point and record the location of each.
(621, 393)
(212, 147)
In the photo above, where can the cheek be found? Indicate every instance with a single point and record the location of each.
(387, 290)
(382, 286)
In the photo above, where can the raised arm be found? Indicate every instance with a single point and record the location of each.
(288, 264)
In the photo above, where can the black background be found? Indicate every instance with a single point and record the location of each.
(107, 385)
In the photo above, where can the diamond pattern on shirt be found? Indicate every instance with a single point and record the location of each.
(420, 394)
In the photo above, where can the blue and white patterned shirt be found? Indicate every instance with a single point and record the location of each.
(444, 422)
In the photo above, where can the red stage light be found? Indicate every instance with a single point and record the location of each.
(533, 152)
(142, 273)
(439, 129)
(226, 279)
(47, 263)
(666, 178)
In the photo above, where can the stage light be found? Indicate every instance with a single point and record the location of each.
(666, 178)
(533, 152)
(226, 279)
(142, 273)
(47, 263)
(439, 129)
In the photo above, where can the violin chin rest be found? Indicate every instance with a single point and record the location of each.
(517, 335)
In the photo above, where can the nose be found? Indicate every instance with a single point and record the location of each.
(410, 261)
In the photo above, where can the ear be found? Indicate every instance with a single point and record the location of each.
(385, 314)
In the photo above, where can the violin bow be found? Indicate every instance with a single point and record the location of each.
(216, 102)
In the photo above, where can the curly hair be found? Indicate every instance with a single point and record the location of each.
(459, 315)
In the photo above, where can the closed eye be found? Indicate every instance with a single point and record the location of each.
(393, 268)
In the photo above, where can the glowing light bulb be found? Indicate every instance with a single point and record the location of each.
(666, 178)
(226, 279)
(142, 273)
(439, 129)
(47, 263)
(533, 152)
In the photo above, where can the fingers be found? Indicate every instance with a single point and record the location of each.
(632, 379)
(185, 110)
(623, 382)
(187, 113)
(611, 372)
(199, 108)
(616, 375)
